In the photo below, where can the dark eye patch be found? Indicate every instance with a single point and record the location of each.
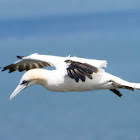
(24, 82)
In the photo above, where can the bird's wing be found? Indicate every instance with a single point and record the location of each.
(35, 61)
(80, 68)
(77, 70)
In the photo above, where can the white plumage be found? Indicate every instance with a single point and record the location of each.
(71, 74)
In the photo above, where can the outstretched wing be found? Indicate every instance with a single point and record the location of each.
(34, 61)
(78, 70)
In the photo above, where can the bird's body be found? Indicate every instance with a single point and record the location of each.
(60, 82)
(71, 74)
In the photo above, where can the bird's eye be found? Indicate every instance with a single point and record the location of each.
(24, 82)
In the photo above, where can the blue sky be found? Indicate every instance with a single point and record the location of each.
(31, 8)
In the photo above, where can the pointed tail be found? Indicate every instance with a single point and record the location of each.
(134, 85)
(119, 83)
(126, 85)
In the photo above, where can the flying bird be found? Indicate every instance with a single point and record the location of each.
(70, 74)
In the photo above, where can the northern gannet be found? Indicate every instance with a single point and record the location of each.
(71, 74)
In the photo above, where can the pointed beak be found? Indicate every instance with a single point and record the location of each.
(17, 90)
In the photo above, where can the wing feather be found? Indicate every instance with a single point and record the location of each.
(78, 70)
(35, 61)
(80, 74)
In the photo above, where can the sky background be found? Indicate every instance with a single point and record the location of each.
(107, 30)
(30, 8)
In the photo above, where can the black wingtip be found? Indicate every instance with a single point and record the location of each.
(2, 69)
(20, 57)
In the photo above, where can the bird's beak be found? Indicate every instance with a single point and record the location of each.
(18, 89)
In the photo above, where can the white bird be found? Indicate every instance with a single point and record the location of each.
(71, 74)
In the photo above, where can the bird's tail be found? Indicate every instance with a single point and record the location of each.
(125, 85)
(134, 85)
(118, 83)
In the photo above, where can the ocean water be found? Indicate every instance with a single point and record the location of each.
(36, 113)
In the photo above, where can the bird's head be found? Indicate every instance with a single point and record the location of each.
(31, 77)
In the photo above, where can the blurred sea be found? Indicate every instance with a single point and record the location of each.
(39, 114)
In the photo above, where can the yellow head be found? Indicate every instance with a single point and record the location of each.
(31, 77)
